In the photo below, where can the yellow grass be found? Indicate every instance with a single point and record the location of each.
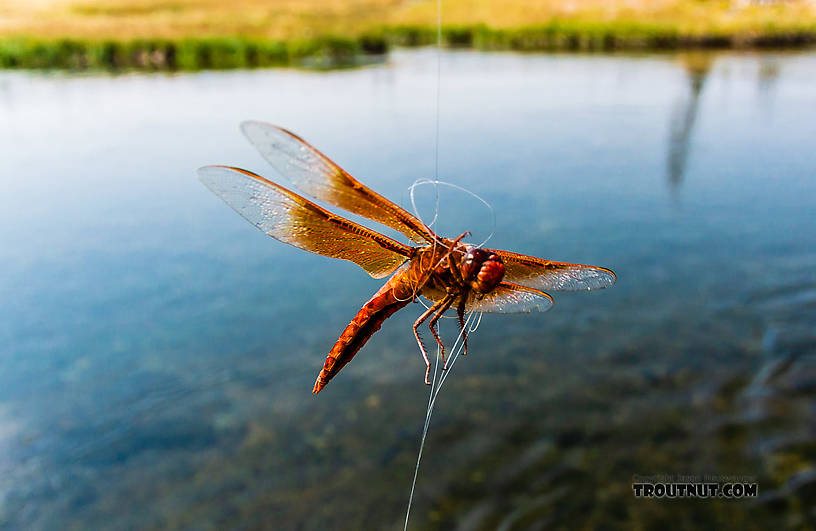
(303, 19)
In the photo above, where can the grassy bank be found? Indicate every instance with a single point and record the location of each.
(184, 54)
(195, 34)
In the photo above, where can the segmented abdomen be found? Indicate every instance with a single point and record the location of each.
(394, 295)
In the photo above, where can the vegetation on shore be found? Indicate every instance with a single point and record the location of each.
(195, 34)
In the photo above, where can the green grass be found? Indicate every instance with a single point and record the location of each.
(195, 34)
(219, 52)
(184, 54)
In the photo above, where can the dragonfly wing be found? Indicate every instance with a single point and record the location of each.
(317, 176)
(510, 298)
(553, 276)
(292, 219)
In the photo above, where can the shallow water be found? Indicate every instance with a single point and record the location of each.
(158, 352)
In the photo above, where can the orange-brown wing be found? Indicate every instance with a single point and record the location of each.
(510, 298)
(317, 176)
(292, 219)
(553, 276)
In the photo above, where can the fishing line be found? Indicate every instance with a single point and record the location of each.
(420, 182)
(457, 349)
(470, 323)
(478, 322)
(436, 183)
(431, 395)
(458, 346)
(438, 81)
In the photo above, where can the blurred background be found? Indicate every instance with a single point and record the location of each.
(158, 353)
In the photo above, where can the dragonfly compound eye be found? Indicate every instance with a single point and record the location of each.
(482, 269)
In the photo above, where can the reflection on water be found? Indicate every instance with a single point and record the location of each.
(768, 73)
(158, 352)
(682, 122)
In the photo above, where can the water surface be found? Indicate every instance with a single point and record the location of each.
(158, 352)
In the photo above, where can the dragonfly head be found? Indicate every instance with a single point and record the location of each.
(482, 270)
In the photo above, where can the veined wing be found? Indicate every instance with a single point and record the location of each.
(316, 175)
(510, 298)
(292, 219)
(554, 276)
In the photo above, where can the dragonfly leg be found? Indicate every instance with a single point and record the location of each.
(460, 313)
(453, 245)
(457, 275)
(457, 240)
(418, 322)
(428, 271)
(443, 306)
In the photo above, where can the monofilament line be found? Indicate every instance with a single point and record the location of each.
(438, 82)
(436, 183)
(436, 386)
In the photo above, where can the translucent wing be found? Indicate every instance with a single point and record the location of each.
(510, 298)
(292, 219)
(317, 176)
(553, 276)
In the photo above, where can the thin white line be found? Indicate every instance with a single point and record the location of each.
(458, 346)
(432, 395)
(438, 80)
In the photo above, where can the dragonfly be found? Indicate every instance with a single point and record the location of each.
(448, 272)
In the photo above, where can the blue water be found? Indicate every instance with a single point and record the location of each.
(157, 353)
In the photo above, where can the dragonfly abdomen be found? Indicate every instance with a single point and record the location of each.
(393, 296)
